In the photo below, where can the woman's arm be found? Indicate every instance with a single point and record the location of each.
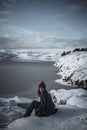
(43, 100)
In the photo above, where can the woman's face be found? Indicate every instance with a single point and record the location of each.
(41, 89)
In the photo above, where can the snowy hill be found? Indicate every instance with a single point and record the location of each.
(28, 55)
(73, 68)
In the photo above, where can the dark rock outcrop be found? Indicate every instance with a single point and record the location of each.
(78, 49)
(65, 53)
(81, 84)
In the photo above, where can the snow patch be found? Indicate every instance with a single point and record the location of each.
(75, 97)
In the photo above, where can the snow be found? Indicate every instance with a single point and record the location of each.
(72, 115)
(75, 97)
(73, 67)
(71, 104)
(30, 54)
(9, 110)
(61, 81)
(66, 118)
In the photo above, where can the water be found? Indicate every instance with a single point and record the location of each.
(22, 78)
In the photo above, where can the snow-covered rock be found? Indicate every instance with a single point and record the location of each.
(73, 68)
(67, 118)
(74, 97)
(9, 111)
(72, 115)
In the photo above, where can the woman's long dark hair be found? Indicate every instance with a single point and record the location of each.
(43, 85)
(38, 92)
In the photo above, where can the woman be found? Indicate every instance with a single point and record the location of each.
(45, 107)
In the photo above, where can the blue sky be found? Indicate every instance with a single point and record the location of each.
(43, 23)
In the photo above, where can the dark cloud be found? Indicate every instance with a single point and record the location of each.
(6, 40)
(5, 10)
(77, 43)
(48, 42)
(67, 18)
(55, 5)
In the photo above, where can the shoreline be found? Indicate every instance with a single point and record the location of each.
(26, 61)
(22, 78)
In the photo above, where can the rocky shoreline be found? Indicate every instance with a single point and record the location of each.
(72, 67)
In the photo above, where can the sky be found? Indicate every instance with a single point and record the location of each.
(43, 24)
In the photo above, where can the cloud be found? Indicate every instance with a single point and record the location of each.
(77, 5)
(7, 3)
(59, 16)
(79, 42)
(5, 10)
(40, 41)
(7, 40)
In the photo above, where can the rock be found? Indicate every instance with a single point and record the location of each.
(3, 103)
(62, 102)
(54, 99)
(65, 53)
(78, 49)
(81, 84)
(3, 120)
(12, 103)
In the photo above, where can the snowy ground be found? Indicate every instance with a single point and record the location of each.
(30, 54)
(9, 110)
(72, 115)
(73, 68)
(71, 104)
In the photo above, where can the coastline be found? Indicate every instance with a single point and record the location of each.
(36, 71)
(22, 78)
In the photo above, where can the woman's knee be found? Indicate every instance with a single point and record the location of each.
(34, 101)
